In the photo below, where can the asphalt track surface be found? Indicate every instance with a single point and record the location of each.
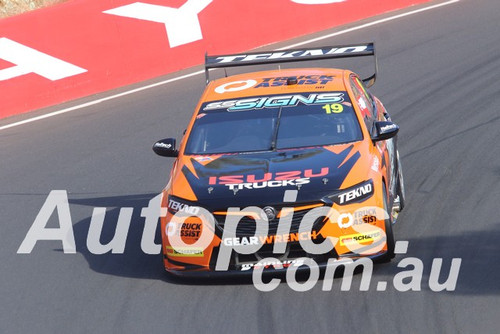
(438, 78)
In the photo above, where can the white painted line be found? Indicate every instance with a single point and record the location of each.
(91, 103)
(111, 97)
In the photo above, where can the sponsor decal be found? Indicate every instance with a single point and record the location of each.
(345, 220)
(244, 241)
(184, 251)
(271, 239)
(300, 80)
(369, 219)
(235, 86)
(273, 263)
(276, 101)
(289, 237)
(387, 128)
(365, 216)
(278, 179)
(164, 145)
(242, 58)
(354, 194)
(360, 238)
(269, 184)
(177, 206)
(187, 230)
(191, 230)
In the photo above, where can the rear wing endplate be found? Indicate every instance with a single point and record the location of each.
(293, 55)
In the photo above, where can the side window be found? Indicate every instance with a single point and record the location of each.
(364, 102)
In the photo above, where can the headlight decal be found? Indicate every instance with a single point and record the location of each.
(354, 194)
(176, 204)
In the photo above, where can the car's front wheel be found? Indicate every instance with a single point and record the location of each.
(401, 185)
(389, 235)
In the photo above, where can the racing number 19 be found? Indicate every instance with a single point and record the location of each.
(335, 108)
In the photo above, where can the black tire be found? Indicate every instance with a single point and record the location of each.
(401, 186)
(389, 255)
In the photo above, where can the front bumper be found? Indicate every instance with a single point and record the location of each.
(205, 273)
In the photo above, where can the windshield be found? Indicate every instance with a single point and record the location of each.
(274, 122)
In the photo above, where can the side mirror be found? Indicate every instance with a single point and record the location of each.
(384, 130)
(166, 148)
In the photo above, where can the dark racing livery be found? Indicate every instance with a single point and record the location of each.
(273, 160)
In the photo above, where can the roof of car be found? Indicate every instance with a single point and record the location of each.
(276, 82)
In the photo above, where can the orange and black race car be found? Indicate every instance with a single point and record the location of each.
(277, 166)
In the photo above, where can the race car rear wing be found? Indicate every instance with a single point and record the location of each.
(293, 55)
